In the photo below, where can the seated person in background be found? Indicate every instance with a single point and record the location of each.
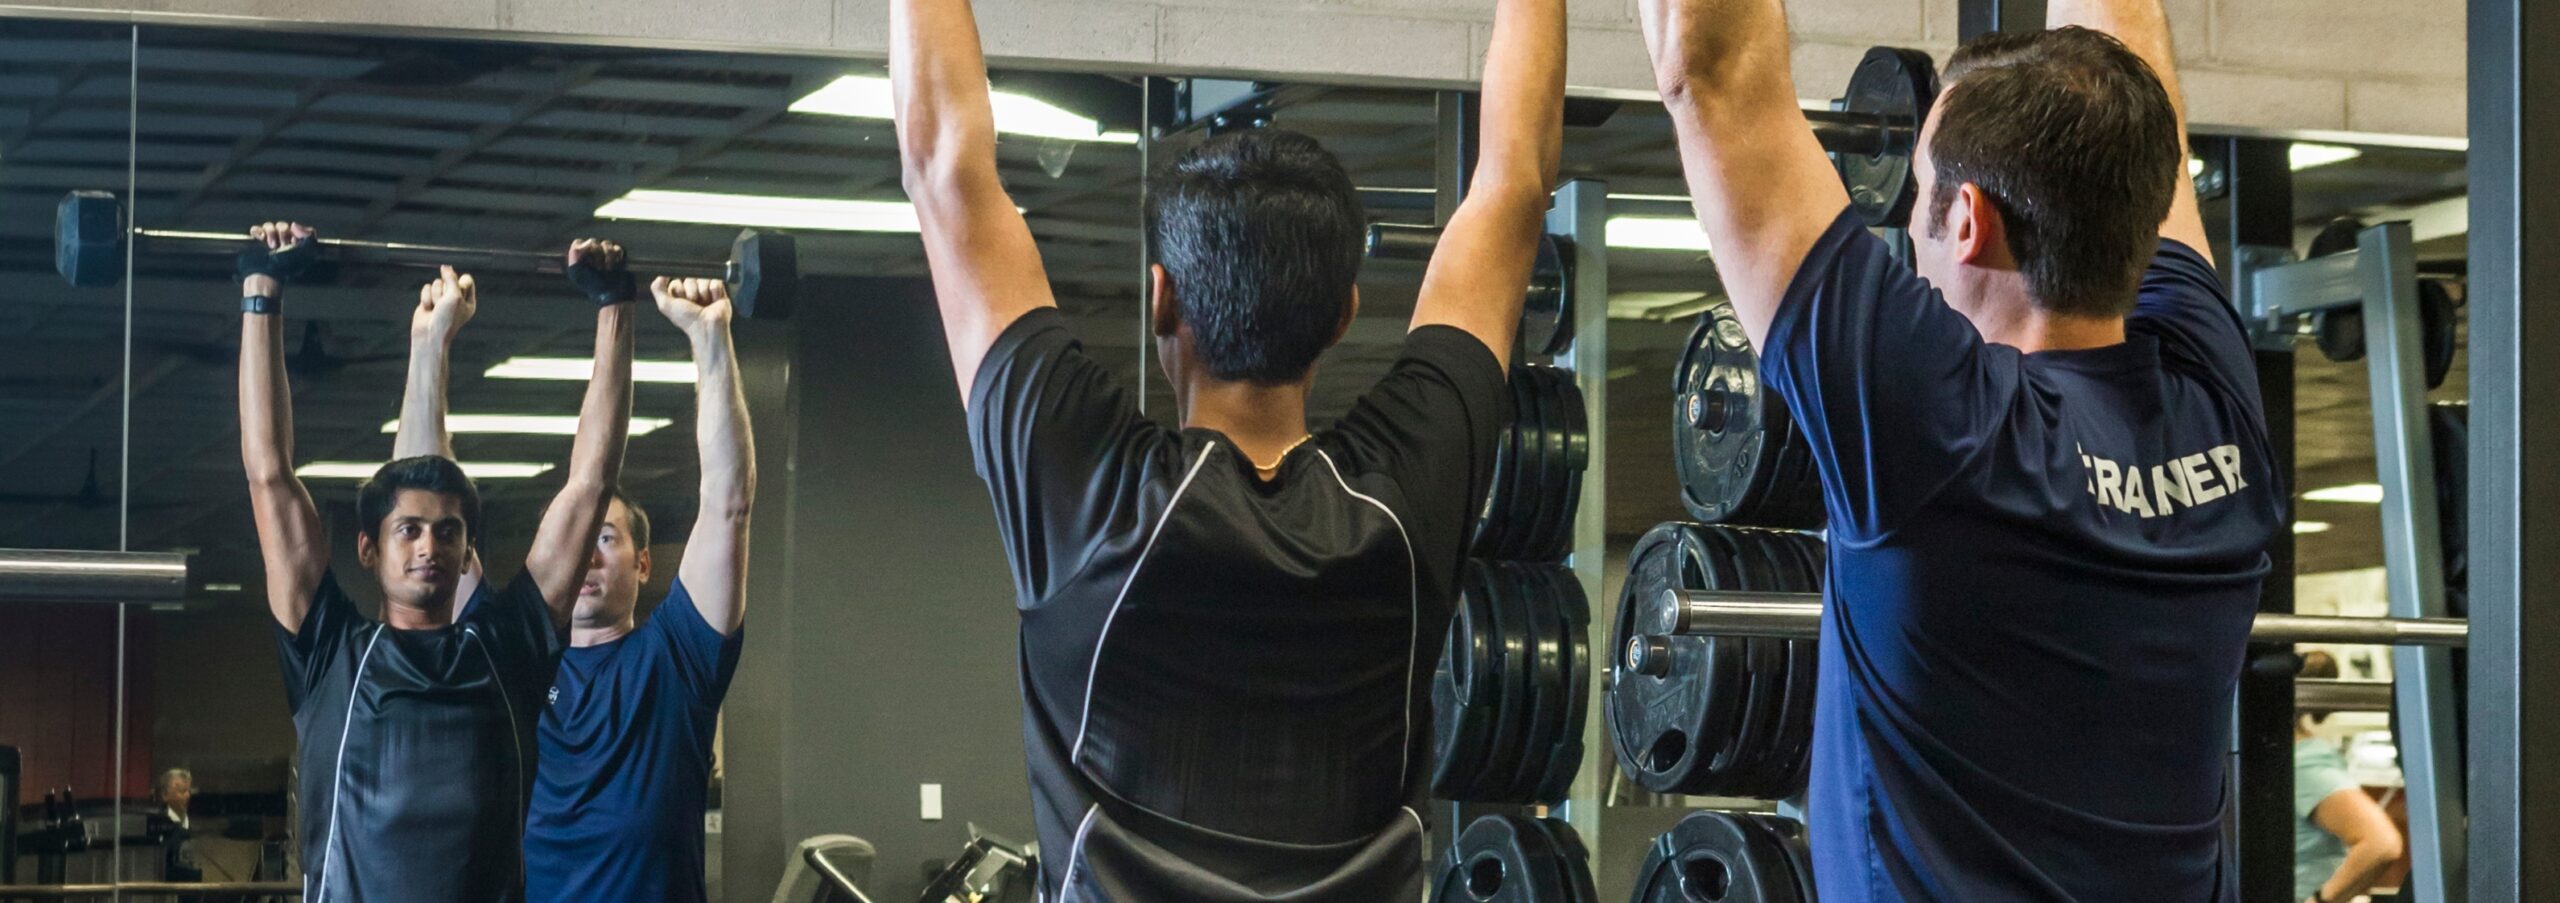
(2044, 456)
(175, 789)
(626, 739)
(1228, 629)
(2342, 840)
(416, 730)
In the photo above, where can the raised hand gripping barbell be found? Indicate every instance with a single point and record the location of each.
(91, 229)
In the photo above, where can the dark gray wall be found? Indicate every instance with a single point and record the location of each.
(880, 650)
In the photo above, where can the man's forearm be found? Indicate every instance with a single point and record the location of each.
(1523, 130)
(938, 78)
(2364, 865)
(604, 419)
(422, 405)
(726, 442)
(266, 400)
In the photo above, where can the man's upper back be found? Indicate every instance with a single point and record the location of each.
(2044, 568)
(1233, 655)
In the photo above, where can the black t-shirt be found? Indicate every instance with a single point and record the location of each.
(417, 746)
(1225, 680)
(2042, 574)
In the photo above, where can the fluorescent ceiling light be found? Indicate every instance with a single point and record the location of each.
(2305, 156)
(2310, 526)
(530, 424)
(1668, 198)
(2357, 493)
(580, 369)
(2195, 167)
(1661, 233)
(364, 470)
(836, 214)
(222, 587)
(869, 97)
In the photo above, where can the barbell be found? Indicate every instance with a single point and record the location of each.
(91, 230)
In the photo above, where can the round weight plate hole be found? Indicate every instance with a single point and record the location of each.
(1704, 880)
(1484, 878)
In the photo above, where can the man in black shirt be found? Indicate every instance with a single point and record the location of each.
(1227, 628)
(417, 730)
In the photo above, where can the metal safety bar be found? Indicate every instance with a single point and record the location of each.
(57, 575)
(1798, 616)
(2313, 695)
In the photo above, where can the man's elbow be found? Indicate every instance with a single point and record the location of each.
(2384, 847)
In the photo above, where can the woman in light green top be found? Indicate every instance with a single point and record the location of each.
(2342, 840)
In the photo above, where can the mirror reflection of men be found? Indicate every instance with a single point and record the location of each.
(416, 729)
(627, 737)
(175, 789)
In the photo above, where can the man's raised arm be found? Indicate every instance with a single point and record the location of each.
(290, 537)
(1479, 272)
(714, 569)
(2144, 29)
(443, 306)
(986, 271)
(1763, 189)
(565, 543)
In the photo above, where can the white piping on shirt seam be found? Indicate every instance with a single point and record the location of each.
(1085, 719)
(1075, 851)
(338, 774)
(514, 733)
(1422, 838)
(1413, 615)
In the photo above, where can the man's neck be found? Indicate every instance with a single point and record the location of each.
(583, 634)
(407, 616)
(1263, 421)
(2031, 329)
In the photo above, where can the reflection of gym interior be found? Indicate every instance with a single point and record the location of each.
(1652, 508)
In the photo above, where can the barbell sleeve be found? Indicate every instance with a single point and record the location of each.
(1797, 616)
(52, 575)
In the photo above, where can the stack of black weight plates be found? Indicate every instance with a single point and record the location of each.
(1516, 859)
(1537, 473)
(1513, 686)
(1740, 457)
(1716, 716)
(1727, 857)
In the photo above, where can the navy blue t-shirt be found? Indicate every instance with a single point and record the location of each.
(626, 762)
(2043, 571)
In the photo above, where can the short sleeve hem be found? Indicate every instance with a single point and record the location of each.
(1792, 305)
(1462, 355)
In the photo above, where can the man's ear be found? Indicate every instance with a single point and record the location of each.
(1164, 311)
(366, 551)
(1350, 312)
(1981, 235)
(643, 564)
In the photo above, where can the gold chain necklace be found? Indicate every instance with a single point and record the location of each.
(1259, 467)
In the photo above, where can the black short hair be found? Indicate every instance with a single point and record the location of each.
(425, 473)
(1261, 233)
(2076, 143)
(639, 527)
(2318, 665)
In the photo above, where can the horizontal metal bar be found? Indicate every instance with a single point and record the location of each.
(1859, 134)
(2304, 286)
(149, 889)
(171, 241)
(54, 575)
(1688, 612)
(2314, 695)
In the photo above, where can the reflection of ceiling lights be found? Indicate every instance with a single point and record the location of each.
(581, 369)
(869, 97)
(2305, 156)
(364, 470)
(2310, 526)
(529, 424)
(762, 210)
(2355, 493)
(1660, 233)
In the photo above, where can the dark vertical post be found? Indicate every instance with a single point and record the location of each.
(2248, 211)
(2515, 422)
(1975, 18)
(1453, 156)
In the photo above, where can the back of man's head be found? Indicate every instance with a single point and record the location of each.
(1260, 233)
(2075, 142)
(425, 473)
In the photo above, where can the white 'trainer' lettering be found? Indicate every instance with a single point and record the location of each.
(2183, 482)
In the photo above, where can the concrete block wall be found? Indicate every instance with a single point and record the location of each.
(2282, 64)
(2392, 67)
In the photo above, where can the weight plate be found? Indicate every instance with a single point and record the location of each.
(1575, 422)
(1572, 857)
(1742, 769)
(1707, 858)
(1896, 86)
(1462, 691)
(1529, 464)
(2339, 333)
(1723, 456)
(1546, 682)
(1573, 617)
(1788, 835)
(1497, 502)
(2437, 322)
(1511, 723)
(1502, 858)
(1796, 574)
(1546, 315)
(1666, 726)
(1550, 525)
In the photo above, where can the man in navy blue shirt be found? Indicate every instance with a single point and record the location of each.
(626, 738)
(2043, 454)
